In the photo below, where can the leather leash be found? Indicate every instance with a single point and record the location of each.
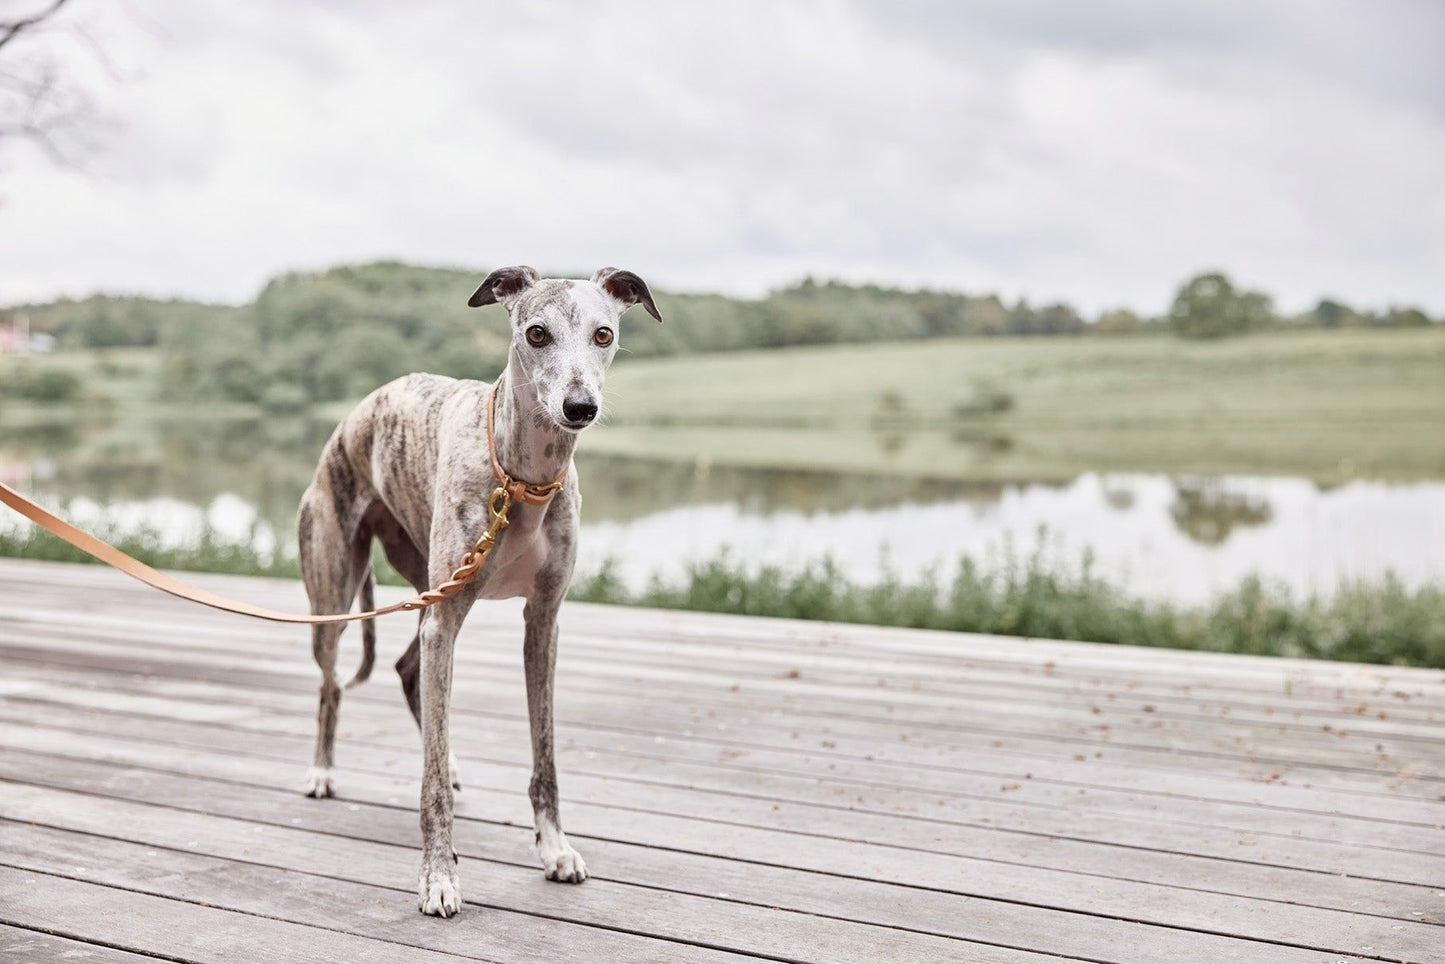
(499, 503)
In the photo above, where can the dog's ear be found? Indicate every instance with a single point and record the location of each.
(627, 289)
(503, 286)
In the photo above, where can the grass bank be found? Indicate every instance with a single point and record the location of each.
(1024, 595)
(1328, 406)
(1374, 622)
(1325, 405)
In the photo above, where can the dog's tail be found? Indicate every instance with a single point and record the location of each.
(367, 598)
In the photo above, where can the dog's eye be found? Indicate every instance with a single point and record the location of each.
(603, 337)
(537, 335)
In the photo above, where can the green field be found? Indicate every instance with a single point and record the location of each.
(116, 385)
(1326, 405)
(1330, 406)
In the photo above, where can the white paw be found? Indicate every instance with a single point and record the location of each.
(319, 783)
(562, 863)
(452, 772)
(438, 892)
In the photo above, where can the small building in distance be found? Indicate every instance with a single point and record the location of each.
(17, 339)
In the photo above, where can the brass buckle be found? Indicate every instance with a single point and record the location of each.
(542, 491)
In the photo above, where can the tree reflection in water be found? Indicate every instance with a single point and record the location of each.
(1207, 510)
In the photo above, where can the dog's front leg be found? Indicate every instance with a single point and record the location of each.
(438, 891)
(539, 654)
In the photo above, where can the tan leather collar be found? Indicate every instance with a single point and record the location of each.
(519, 491)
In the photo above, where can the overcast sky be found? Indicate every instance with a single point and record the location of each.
(1096, 153)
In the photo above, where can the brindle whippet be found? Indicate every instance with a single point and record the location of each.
(409, 467)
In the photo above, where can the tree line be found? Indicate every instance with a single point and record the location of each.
(311, 337)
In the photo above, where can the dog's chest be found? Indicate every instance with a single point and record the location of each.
(513, 567)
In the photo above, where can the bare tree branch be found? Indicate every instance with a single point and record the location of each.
(36, 104)
(12, 29)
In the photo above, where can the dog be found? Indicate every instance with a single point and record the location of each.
(409, 467)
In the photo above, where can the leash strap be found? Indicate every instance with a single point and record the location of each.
(136, 569)
(499, 503)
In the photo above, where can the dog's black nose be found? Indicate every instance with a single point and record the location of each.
(579, 410)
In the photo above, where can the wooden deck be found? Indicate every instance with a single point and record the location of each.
(741, 789)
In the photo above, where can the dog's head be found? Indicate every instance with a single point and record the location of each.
(564, 333)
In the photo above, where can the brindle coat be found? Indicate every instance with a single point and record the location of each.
(408, 467)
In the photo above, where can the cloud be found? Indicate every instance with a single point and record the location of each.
(1096, 157)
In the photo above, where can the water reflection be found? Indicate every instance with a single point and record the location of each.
(1118, 496)
(265, 463)
(1165, 537)
(1209, 509)
(619, 489)
(1286, 529)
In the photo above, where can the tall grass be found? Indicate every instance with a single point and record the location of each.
(1030, 594)
(1372, 622)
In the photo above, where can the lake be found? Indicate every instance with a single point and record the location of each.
(1179, 538)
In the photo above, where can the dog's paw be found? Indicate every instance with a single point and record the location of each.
(563, 864)
(319, 783)
(438, 891)
(452, 772)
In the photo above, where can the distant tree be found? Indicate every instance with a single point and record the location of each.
(1021, 318)
(942, 312)
(1333, 314)
(1404, 317)
(104, 321)
(1209, 306)
(1118, 321)
(985, 316)
(1054, 319)
(1057, 319)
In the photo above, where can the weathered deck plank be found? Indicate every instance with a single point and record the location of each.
(1290, 839)
(1045, 832)
(1354, 737)
(20, 945)
(743, 789)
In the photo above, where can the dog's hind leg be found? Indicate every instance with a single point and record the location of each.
(407, 668)
(319, 781)
(333, 564)
(366, 602)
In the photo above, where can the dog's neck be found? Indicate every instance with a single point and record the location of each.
(529, 444)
